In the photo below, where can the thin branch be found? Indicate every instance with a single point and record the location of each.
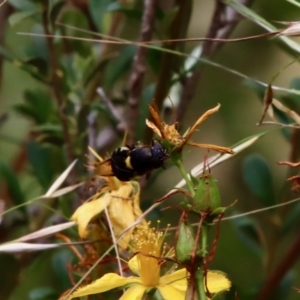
(92, 128)
(278, 123)
(109, 134)
(5, 12)
(56, 88)
(178, 30)
(108, 39)
(282, 269)
(223, 23)
(181, 54)
(115, 113)
(139, 69)
(115, 243)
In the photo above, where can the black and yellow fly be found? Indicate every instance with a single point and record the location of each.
(128, 162)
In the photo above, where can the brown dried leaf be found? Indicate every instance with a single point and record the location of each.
(268, 98)
(153, 108)
(213, 147)
(288, 111)
(201, 120)
(292, 30)
(154, 128)
(287, 163)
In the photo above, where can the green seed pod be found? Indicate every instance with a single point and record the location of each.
(207, 196)
(185, 242)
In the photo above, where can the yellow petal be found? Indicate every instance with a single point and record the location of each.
(107, 282)
(125, 202)
(134, 265)
(216, 282)
(169, 292)
(87, 211)
(135, 292)
(178, 276)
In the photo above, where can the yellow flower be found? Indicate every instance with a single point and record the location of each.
(124, 201)
(120, 199)
(170, 133)
(147, 265)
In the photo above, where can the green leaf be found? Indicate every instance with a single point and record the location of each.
(294, 2)
(248, 232)
(76, 19)
(22, 5)
(95, 68)
(37, 106)
(17, 17)
(168, 19)
(130, 12)
(253, 16)
(120, 65)
(9, 177)
(55, 9)
(154, 59)
(100, 15)
(39, 47)
(8, 55)
(291, 219)
(144, 111)
(39, 63)
(282, 291)
(9, 273)
(59, 263)
(258, 178)
(11, 57)
(43, 293)
(292, 100)
(40, 158)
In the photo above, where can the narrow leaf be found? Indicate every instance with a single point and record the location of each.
(46, 231)
(17, 17)
(58, 182)
(66, 190)
(251, 15)
(286, 110)
(22, 247)
(12, 182)
(219, 158)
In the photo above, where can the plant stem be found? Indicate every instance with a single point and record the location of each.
(200, 271)
(200, 282)
(204, 238)
(185, 176)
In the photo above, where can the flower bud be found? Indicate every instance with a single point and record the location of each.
(185, 242)
(207, 196)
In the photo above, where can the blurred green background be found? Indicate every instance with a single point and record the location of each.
(33, 148)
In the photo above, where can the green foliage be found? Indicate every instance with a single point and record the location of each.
(248, 232)
(8, 177)
(37, 106)
(40, 159)
(258, 177)
(51, 112)
(119, 66)
(100, 14)
(43, 293)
